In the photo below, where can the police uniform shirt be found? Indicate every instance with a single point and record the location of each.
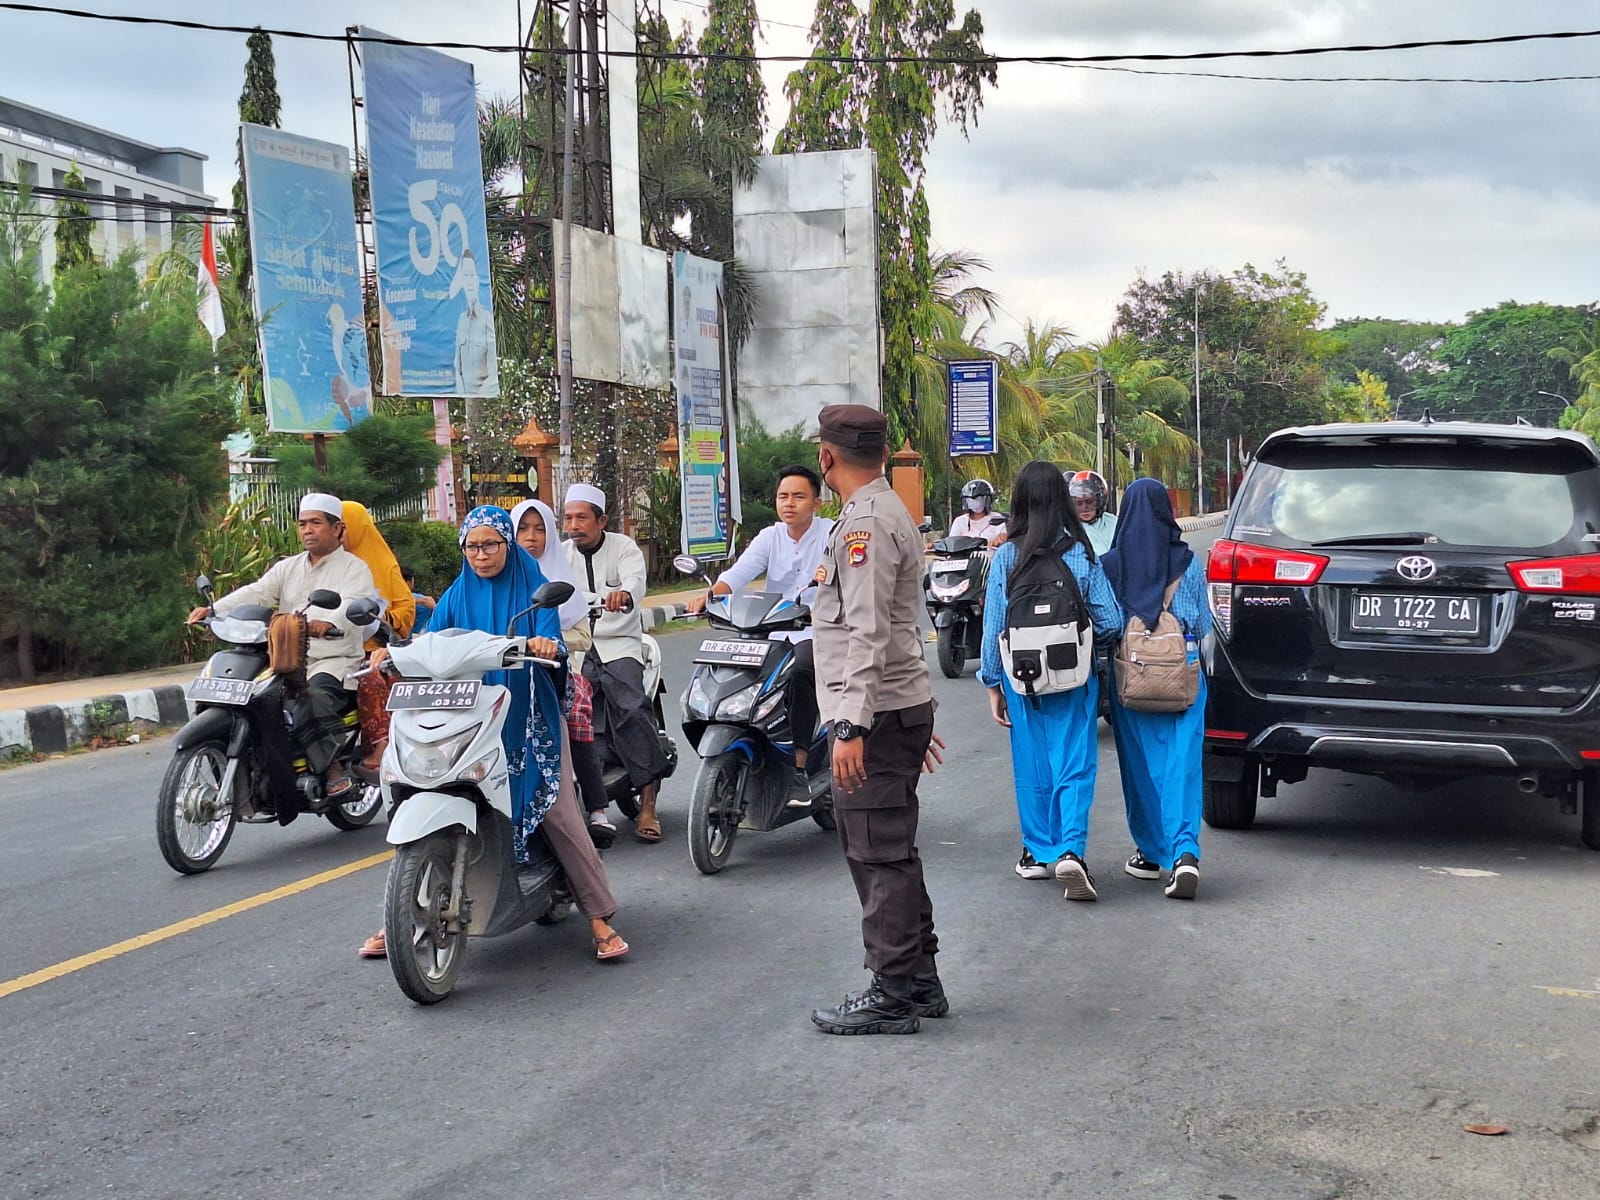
(864, 617)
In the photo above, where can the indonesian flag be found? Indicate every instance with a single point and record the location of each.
(210, 310)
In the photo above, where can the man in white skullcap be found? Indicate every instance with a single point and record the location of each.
(334, 651)
(611, 566)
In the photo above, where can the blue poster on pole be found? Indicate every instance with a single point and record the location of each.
(435, 316)
(307, 282)
(974, 406)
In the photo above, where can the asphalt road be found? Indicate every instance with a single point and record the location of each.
(1363, 974)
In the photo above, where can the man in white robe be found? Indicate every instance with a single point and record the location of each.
(611, 566)
(333, 653)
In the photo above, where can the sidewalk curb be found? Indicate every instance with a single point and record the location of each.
(57, 728)
(659, 614)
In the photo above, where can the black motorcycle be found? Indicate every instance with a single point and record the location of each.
(236, 759)
(953, 592)
(736, 715)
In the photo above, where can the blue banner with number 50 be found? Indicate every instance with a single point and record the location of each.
(435, 315)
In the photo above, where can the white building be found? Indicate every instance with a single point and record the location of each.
(140, 182)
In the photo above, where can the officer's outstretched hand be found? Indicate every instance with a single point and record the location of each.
(933, 757)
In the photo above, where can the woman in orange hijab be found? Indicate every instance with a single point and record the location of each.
(361, 538)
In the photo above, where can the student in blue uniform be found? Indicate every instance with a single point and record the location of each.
(1159, 753)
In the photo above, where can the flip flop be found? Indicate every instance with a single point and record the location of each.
(374, 947)
(646, 829)
(618, 947)
(601, 831)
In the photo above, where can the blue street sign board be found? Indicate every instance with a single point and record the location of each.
(974, 406)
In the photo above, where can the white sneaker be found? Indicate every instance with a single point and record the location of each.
(1185, 880)
(1029, 869)
(1080, 884)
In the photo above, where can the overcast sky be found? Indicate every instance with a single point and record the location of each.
(1422, 201)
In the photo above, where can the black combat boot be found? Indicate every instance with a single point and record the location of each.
(926, 994)
(885, 1007)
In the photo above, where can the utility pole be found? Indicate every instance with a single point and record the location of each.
(564, 278)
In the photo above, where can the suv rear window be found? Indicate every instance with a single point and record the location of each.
(1519, 498)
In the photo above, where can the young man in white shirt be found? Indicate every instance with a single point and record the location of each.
(788, 554)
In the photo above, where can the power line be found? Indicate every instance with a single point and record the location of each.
(1323, 78)
(843, 59)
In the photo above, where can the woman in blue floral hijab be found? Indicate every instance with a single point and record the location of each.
(497, 581)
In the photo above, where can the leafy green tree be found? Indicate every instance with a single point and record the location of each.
(762, 454)
(1262, 355)
(1497, 363)
(74, 225)
(732, 108)
(1581, 355)
(891, 107)
(1400, 353)
(383, 462)
(112, 417)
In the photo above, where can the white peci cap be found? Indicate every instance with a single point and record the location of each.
(586, 493)
(322, 502)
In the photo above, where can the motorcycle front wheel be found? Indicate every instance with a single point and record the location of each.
(357, 813)
(714, 812)
(424, 956)
(952, 653)
(193, 819)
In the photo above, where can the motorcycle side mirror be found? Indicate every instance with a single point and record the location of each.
(203, 586)
(552, 594)
(925, 527)
(322, 598)
(362, 611)
(686, 564)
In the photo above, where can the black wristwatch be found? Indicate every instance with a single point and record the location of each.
(848, 731)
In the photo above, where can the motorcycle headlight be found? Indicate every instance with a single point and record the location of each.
(739, 706)
(429, 762)
(479, 771)
(697, 702)
(768, 706)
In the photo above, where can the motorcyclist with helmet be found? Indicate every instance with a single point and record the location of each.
(979, 518)
(1089, 497)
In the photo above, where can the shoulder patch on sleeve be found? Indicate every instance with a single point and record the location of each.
(855, 547)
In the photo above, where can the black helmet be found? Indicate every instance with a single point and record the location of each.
(977, 489)
(1081, 484)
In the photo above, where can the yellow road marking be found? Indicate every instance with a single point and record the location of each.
(35, 978)
(1569, 993)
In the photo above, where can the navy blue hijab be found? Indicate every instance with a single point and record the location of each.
(1148, 551)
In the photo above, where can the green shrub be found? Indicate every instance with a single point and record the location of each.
(383, 462)
(761, 456)
(233, 549)
(429, 548)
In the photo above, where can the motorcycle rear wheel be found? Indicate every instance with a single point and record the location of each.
(952, 654)
(714, 812)
(424, 956)
(193, 822)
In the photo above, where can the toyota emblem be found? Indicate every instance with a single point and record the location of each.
(1416, 568)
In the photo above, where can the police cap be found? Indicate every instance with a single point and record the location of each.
(853, 426)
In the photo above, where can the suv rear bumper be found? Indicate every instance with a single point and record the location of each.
(1413, 738)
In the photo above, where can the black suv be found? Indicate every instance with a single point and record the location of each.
(1417, 600)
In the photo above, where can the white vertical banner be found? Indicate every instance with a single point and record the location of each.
(622, 93)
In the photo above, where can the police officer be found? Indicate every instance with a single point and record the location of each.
(872, 685)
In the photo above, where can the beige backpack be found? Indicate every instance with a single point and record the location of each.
(1152, 666)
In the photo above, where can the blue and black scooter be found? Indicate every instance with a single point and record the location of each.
(736, 716)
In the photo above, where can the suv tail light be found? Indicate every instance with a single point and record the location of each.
(1576, 575)
(1233, 562)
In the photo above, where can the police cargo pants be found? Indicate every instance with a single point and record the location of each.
(878, 831)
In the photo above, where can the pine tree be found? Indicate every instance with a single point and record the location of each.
(74, 225)
(259, 103)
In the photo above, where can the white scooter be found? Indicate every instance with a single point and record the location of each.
(444, 774)
(619, 787)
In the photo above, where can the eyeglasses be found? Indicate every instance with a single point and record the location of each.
(482, 549)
